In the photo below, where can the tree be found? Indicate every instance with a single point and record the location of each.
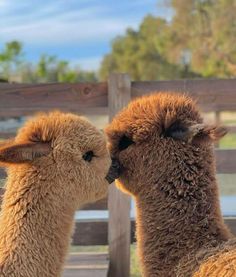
(10, 58)
(207, 29)
(47, 69)
(141, 53)
(144, 53)
(199, 41)
(50, 69)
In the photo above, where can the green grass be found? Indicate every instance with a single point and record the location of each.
(229, 141)
(134, 263)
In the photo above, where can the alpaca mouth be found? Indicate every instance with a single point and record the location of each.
(114, 171)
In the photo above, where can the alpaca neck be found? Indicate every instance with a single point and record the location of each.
(35, 229)
(170, 227)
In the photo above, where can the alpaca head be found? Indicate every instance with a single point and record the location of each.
(155, 137)
(65, 154)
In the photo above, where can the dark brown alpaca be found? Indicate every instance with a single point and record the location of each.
(168, 166)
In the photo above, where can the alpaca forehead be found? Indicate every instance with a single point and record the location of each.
(159, 106)
(153, 112)
(86, 140)
(52, 126)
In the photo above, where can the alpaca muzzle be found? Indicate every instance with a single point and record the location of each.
(114, 171)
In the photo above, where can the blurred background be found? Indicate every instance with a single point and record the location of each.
(71, 41)
(84, 41)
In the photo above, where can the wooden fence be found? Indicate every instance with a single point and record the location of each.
(18, 100)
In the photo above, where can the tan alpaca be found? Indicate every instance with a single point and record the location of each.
(167, 156)
(56, 163)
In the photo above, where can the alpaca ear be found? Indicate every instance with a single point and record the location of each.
(212, 132)
(23, 153)
(195, 131)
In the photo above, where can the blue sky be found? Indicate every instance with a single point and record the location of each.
(78, 31)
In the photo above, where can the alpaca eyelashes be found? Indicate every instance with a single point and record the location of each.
(88, 156)
(124, 143)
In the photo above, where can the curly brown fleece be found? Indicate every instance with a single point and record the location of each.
(168, 166)
(47, 181)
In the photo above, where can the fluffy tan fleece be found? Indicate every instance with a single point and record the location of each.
(48, 179)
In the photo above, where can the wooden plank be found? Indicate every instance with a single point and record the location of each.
(96, 233)
(85, 273)
(118, 203)
(226, 161)
(86, 264)
(211, 95)
(90, 233)
(231, 223)
(94, 239)
(91, 98)
(87, 258)
(218, 117)
(86, 98)
(231, 129)
(99, 205)
(6, 135)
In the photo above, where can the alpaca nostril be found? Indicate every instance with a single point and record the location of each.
(114, 171)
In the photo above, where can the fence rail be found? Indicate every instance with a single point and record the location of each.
(211, 95)
(92, 98)
(19, 100)
(96, 233)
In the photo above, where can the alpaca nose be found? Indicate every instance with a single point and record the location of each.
(114, 171)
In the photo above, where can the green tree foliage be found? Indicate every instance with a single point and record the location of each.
(207, 28)
(199, 41)
(10, 58)
(141, 53)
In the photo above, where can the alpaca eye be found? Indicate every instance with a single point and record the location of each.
(88, 156)
(124, 143)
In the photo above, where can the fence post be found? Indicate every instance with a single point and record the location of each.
(119, 95)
